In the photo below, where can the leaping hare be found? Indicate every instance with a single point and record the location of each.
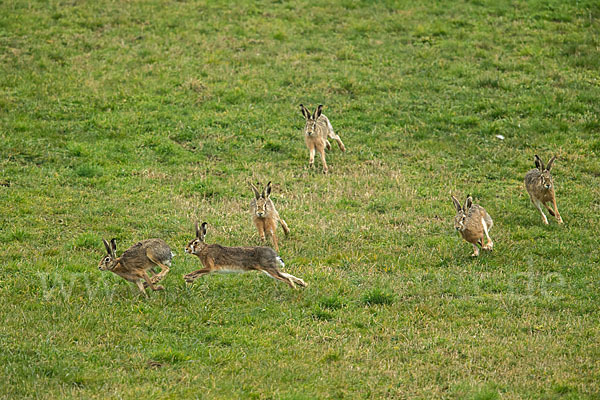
(217, 258)
(473, 222)
(265, 216)
(316, 132)
(136, 260)
(540, 187)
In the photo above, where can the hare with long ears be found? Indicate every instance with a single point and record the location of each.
(217, 258)
(474, 224)
(137, 260)
(265, 216)
(316, 132)
(540, 186)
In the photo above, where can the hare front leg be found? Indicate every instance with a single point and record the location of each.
(209, 267)
(192, 276)
(150, 283)
(260, 226)
(140, 286)
(537, 204)
(556, 213)
(550, 211)
(475, 250)
(311, 155)
(322, 153)
(271, 228)
(294, 279)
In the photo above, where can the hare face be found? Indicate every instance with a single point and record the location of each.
(546, 179)
(310, 127)
(459, 221)
(261, 201)
(110, 259)
(261, 207)
(194, 246)
(107, 263)
(461, 213)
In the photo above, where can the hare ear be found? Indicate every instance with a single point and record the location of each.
(113, 246)
(203, 227)
(549, 166)
(468, 202)
(538, 163)
(318, 112)
(456, 203)
(305, 112)
(197, 231)
(255, 190)
(267, 191)
(107, 247)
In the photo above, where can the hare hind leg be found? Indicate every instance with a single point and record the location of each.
(335, 137)
(276, 274)
(490, 244)
(164, 270)
(286, 230)
(332, 135)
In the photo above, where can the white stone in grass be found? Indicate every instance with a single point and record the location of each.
(500, 137)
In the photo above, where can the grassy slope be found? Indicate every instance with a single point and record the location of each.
(133, 119)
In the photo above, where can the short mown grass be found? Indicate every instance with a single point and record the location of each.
(136, 119)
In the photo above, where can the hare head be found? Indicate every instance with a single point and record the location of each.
(545, 171)
(197, 244)
(311, 120)
(109, 261)
(261, 200)
(461, 212)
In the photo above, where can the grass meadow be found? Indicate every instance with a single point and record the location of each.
(134, 119)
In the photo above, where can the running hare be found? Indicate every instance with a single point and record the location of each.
(136, 260)
(540, 187)
(473, 222)
(265, 216)
(217, 258)
(316, 132)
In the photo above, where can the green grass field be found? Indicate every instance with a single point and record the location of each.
(135, 119)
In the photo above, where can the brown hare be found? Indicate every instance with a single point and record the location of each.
(540, 187)
(473, 223)
(217, 258)
(265, 216)
(137, 260)
(316, 132)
